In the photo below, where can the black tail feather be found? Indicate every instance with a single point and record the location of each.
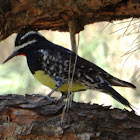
(117, 96)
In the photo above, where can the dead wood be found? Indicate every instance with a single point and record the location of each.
(16, 15)
(34, 117)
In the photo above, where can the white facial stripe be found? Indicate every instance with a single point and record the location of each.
(25, 44)
(27, 34)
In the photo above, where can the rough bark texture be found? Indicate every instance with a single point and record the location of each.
(55, 14)
(34, 117)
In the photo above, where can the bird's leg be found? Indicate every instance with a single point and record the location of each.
(64, 96)
(55, 88)
(48, 96)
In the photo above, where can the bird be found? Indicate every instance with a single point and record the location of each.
(53, 65)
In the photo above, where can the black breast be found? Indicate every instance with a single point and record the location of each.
(33, 61)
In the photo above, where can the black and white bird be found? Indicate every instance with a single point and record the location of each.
(52, 65)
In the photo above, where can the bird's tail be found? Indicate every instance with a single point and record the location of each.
(117, 96)
(118, 82)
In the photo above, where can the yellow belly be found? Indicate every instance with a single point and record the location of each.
(49, 82)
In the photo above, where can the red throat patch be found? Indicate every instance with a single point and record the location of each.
(22, 54)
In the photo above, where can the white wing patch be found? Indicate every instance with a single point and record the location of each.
(44, 53)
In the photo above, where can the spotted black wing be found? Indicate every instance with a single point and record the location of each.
(100, 72)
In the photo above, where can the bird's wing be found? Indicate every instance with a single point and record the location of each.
(106, 76)
(81, 62)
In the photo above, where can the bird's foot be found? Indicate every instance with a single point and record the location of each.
(53, 100)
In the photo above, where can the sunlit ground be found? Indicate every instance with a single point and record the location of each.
(96, 45)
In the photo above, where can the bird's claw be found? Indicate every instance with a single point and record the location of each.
(51, 99)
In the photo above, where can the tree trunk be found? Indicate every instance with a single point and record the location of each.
(35, 117)
(55, 14)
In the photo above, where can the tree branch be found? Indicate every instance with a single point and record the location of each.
(16, 15)
(34, 117)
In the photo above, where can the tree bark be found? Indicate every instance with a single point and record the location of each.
(35, 117)
(16, 15)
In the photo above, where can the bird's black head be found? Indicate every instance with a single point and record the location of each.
(24, 39)
(24, 42)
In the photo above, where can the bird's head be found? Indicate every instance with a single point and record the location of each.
(25, 41)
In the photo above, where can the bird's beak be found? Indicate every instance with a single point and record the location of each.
(15, 53)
